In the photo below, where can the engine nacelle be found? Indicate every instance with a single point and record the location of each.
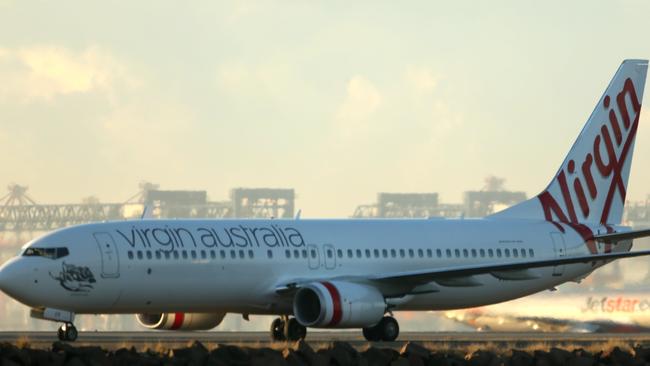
(338, 304)
(180, 321)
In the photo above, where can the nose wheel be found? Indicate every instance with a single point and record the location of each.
(68, 332)
(287, 329)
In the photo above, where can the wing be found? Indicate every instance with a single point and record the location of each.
(418, 281)
(515, 268)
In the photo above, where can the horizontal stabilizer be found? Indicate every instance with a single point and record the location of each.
(616, 237)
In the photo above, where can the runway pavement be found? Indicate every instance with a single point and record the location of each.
(151, 339)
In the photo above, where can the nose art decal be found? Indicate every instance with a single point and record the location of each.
(75, 278)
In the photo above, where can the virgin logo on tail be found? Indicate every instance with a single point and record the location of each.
(588, 187)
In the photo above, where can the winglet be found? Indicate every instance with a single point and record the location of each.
(147, 213)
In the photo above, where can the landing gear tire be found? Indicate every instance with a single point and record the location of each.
(67, 332)
(277, 330)
(294, 331)
(287, 329)
(371, 334)
(389, 329)
(386, 330)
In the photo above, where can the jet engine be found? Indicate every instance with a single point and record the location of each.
(338, 304)
(180, 321)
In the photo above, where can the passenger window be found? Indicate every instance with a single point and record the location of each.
(287, 253)
(304, 253)
(473, 253)
(499, 253)
(367, 253)
(349, 253)
(250, 254)
(358, 253)
(139, 254)
(439, 253)
(296, 253)
(149, 254)
(411, 253)
(429, 253)
(402, 253)
(490, 253)
(531, 253)
(393, 253)
(193, 253)
(329, 253)
(313, 253)
(130, 254)
(204, 255)
(241, 254)
(448, 253)
(482, 252)
(184, 254)
(515, 253)
(175, 254)
(384, 253)
(507, 251)
(213, 254)
(457, 251)
(523, 252)
(376, 253)
(233, 254)
(167, 254)
(465, 253)
(339, 253)
(420, 253)
(269, 253)
(223, 254)
(158, 255)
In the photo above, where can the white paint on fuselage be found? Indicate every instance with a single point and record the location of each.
(247, 285)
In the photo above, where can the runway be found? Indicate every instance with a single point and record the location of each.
(452, 340)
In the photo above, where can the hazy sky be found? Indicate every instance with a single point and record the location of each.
(337, 99)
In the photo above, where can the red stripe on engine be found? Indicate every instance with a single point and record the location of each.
(336, 300)
(178, 320)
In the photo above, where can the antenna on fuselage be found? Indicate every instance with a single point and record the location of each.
(298, 214)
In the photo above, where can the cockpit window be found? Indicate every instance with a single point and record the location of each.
(52, 253)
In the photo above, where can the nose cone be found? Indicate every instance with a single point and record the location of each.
(11, 277)
(2, 278)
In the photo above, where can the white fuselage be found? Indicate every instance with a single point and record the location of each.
(610, 311)
(149, 266)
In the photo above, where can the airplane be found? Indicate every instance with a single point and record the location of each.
(346, 273)
(613, 311)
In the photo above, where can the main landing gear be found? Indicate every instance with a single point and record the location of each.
(68, 332)
(386, 330)
(287, 329)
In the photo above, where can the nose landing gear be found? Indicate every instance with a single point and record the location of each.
(287, 329)
(68, 332)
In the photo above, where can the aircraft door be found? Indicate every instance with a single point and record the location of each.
(330, 256)
(314, 256)
(108, 253)
(560, 251)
